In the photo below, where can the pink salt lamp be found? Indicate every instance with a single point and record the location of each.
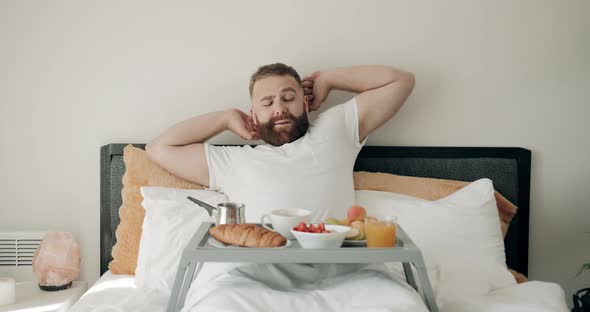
(57, 261)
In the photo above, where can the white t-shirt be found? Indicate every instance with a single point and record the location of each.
(312, 173)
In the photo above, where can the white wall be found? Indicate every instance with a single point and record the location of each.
(75, 76)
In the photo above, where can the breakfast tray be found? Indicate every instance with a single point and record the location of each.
(199, 251)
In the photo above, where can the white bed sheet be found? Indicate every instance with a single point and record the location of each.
(118, 293)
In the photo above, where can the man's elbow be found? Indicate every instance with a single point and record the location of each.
(406, 84)
(154, 151)
(402, 86)
(149, 149)
(409, 79)
(401, 75)
(400, 90)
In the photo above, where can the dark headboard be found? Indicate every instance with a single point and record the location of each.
(509, 169)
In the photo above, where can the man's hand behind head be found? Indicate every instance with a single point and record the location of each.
(241, 124)
(316, 89)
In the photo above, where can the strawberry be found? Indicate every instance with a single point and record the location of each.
(315, 229)
(301, 227)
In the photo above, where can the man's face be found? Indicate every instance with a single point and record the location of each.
(279, 110)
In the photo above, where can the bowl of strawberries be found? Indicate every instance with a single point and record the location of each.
(320, 235)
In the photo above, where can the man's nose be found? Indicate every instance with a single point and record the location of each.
(280, 109)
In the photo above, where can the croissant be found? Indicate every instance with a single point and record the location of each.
(247, 235)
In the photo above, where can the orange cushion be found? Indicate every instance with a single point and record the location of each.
(139, 171)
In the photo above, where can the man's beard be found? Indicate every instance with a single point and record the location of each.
(277, 137)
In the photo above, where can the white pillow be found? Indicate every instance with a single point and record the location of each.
(169, 224)
(459, 236)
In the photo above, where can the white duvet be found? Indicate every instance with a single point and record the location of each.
(273, 288)
(300, 287)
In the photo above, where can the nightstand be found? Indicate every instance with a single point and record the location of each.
(30, 298)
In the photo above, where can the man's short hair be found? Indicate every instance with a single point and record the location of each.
(276, 69)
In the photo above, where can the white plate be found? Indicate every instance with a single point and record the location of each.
(215, 243)
(356, 243)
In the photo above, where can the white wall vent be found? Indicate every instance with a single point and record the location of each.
(18, 248)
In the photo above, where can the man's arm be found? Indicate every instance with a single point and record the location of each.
(383, 90)
(180, 149)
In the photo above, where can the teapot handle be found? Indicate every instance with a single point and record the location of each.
(210, 209)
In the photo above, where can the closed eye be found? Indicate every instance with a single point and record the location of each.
(288, 96)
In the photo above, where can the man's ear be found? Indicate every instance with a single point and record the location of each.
(306, 103)
(253, 117)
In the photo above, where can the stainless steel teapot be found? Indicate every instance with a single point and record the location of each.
(224, 213)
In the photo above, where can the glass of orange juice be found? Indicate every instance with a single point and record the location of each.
(381, 233)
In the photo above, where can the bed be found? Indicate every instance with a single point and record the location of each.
(508, 168)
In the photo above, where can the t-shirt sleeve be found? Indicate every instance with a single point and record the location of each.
(220, 161)
(342, 121)
(351, 118)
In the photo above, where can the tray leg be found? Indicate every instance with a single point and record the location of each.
(193, 270)
(425, 285)
(184, 278)
(410, 275)
(178, 283)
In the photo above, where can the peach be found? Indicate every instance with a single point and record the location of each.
(356, 213)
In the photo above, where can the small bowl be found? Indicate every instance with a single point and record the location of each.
(322, 240)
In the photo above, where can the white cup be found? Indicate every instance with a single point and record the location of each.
(283, 220)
